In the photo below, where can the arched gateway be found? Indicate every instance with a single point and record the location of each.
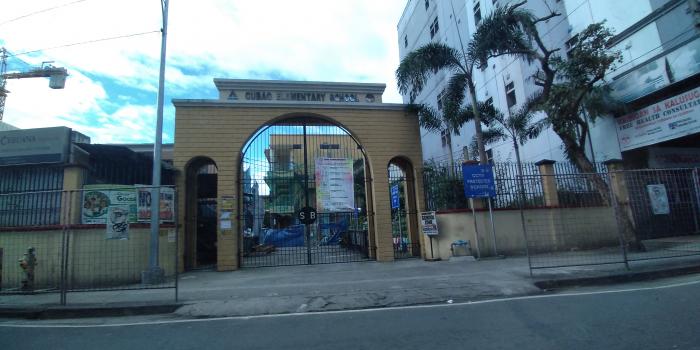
(301, 171)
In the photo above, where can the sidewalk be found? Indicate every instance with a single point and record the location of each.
(258, 291)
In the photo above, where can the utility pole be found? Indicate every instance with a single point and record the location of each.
(155, 273)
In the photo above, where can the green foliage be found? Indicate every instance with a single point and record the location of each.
(502, 33)
(443, 188)
(569, 82)
(428, 117)
(417, 67)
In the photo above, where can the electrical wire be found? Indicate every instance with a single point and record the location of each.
(86, 42)
(41, 11)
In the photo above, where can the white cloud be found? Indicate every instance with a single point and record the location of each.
(111, 92)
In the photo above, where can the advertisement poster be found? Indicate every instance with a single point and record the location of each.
(334, 185)
(658, 199)
(97, 199)
(672, 118)
(118, 222)
(167, 204)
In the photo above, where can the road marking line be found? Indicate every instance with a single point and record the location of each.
(388, 308)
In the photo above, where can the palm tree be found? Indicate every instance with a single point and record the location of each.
(517, 127)
(568, 83)
(419, 65)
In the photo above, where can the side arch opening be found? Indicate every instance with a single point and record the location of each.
(201, 180)
(404, 209)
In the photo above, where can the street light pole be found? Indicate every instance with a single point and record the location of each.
(155, 274)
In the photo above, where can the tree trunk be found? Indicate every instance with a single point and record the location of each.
(477, 124)
(578, 156)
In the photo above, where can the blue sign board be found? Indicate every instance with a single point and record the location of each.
(478, 181)
(395, 197)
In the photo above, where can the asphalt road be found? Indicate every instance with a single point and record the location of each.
(654, 317)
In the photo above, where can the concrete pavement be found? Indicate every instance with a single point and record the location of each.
(259, 291)
(643, 315)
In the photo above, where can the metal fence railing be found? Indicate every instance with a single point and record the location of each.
(444, 186)
(618, 217)
(93, 239)
(571, 218)
(581, 230)
(664, 206)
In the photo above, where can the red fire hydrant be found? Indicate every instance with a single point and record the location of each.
(28, 264)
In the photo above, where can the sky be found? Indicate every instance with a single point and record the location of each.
(111, 92)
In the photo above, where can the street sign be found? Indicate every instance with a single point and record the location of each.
(307, 215)
(395, 203)
(428, 222)
(478, 181)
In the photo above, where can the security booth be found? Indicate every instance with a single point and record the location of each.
(288, 172)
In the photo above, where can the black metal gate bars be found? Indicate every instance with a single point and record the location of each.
(298, 163)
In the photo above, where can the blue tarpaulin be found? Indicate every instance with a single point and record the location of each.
(292, 236)
(333, 231)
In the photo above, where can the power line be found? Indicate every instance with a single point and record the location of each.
(86, 42)
(40, 11)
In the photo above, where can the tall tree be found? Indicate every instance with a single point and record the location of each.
(569, 83)
(516, 127)
(419, 65)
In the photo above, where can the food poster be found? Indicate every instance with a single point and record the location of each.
(98, 198)
(167, 203)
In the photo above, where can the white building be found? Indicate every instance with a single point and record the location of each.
(661, 52)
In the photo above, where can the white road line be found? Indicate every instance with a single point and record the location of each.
(149, 323)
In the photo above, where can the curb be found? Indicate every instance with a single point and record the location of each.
(83, 311)
(630, 276)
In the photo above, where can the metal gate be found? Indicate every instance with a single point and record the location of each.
(296, 169)
(405, 246)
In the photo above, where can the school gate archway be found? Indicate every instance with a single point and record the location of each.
(254, 133)
(296, 163)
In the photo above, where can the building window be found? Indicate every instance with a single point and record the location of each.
(440, 99)
(445, 138)
(405, 41)
(477, 13)
(434, 28)
(329, 146)
(570, 44)
(427, 4)
(510, 94)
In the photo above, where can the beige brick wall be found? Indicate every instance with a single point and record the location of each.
(93, 260)
(219, 131)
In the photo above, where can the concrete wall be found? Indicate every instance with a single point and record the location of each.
(549, 230)
(93, 260)
(219, 131)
